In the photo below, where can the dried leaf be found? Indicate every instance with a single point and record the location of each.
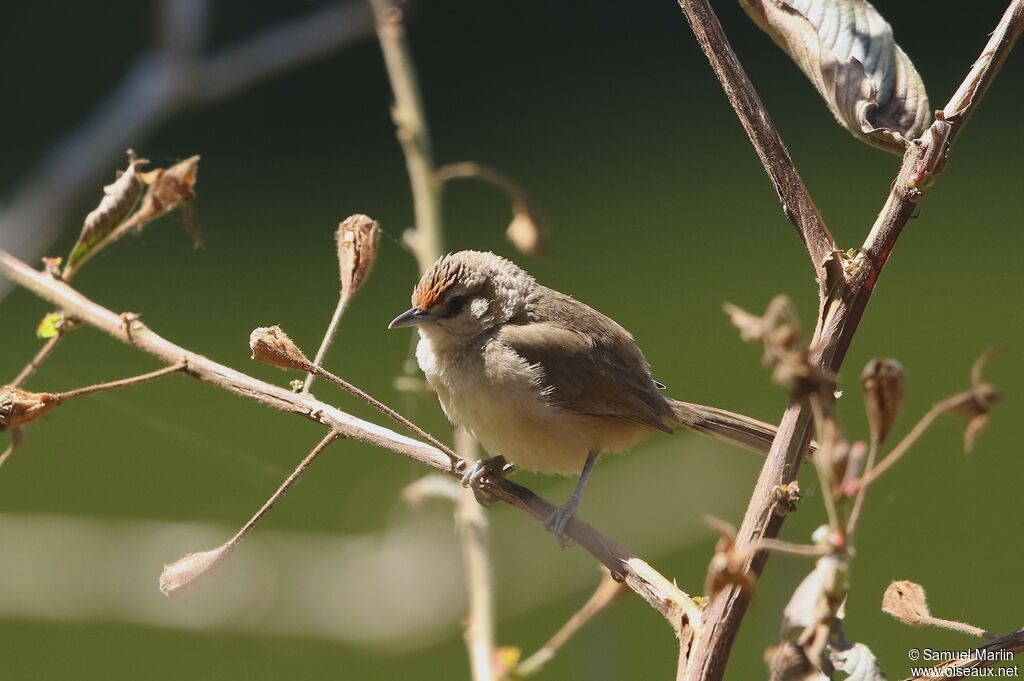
(882, 379)
(906, 601)
(119, 200)
(183, 577)
(169, 188)
(357, 250)
(19, 407)
(525, 231)
(847, 51)
(859, 663)
(271, 345)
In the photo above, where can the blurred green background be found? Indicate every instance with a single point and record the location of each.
(659, 212)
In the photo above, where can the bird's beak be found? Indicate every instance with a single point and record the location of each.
(412, 318)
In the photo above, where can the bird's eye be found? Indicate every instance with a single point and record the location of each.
(456, 303)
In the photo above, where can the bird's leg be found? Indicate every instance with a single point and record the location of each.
(561, 516)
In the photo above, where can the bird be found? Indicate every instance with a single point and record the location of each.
(541, 380)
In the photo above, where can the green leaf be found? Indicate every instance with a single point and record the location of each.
(50, 326)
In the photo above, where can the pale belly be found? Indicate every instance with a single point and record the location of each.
(494, 395)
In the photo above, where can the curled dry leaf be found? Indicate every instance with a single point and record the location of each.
(906, 601)
(847, 51)
(271, 345)
(183, 577)
(169, 188)
(525, 231)
(357, 250)
(19, 407)
(778, 331)
(882, 379)
(119, 200)
(727, 565)
(977, 403)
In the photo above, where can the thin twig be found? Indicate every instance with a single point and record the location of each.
(797, 203)
(908, 441)
(329, 334)
(843, 305)
(44, 352)
(288, 482)
(120, 383)
(16, 438)
(413, 134)
(384, 409)
(858, 502)
(608, 591)
(991, 654)
(473, 170)
(471, 523)
(653, 587)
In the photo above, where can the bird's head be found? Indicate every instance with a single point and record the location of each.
(466, 294)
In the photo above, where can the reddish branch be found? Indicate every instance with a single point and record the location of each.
(842, 301)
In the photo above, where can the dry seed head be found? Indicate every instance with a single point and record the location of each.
(358, 237)
(271, 345)
(906, 602)
(524, 231)
(183, 577)
(18, 407)
(882, 379)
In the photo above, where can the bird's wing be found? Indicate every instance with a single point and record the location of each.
(596, 372)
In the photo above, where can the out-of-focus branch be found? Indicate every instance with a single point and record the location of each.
(170, 78)
(659, 592)
(797, 203)
(842, 304)
(471, 523)
(993, 653)
(413, 133)
(607, 592)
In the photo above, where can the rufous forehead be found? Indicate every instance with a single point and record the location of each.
(435, 284)
(428, 293)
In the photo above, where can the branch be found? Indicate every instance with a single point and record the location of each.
(412, 131)
(842, 306)
(164, 81)
(471, 523)
(1012, 643)
(659, 592)
(797, 203)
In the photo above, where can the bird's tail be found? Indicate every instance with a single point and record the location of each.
(723, 425)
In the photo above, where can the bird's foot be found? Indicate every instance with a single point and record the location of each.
(484, 468)
(559, 520)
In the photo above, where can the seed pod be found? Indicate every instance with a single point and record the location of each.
(882, 379)
(18, 407)
(358, 236)
(271, 345)
(906, 602)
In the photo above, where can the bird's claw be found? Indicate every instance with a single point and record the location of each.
(558, 521)
(484, 468)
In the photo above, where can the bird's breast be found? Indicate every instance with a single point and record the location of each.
(501, 399)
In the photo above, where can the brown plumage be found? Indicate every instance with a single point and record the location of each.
(541, 379)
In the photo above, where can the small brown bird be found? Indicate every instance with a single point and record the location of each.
(541, 380)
